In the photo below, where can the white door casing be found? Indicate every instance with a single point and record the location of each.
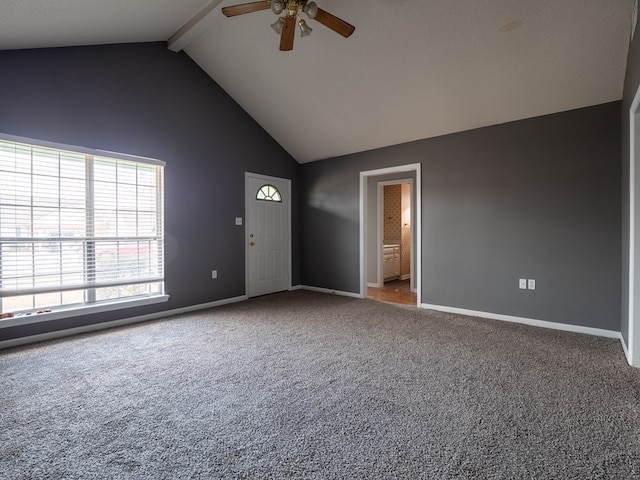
(417, 215)
(268, 235)
(632, 349)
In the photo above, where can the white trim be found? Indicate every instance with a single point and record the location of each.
(633, 333)
(624, 347)
(363, 260)
(379, 235)
(331, 291)
(599, 332)
(191, 30)
(364, 175)
(115, 323)
(295, 287)
(83, 310)
(266, 178)
(78, 149)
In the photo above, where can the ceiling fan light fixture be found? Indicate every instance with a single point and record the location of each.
(311, 9)
(288, 12)
(305, 30)
(277, 26)
(277, 6)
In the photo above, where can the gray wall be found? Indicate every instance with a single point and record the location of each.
(538, 198)
(631, 84)
(144, 100)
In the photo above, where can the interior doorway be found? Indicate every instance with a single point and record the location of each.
(402, 283)
(394, 280)
(632, 346)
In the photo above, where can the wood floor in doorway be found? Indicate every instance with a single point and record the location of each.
(396, 291)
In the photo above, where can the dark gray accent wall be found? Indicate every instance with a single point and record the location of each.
(536, 199)
(631, 84)
(142, 99)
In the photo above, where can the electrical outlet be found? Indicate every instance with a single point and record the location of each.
(214, 273)
(531, 284)
(523, 284)
(238, 220)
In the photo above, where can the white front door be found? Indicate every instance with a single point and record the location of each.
(268, 234)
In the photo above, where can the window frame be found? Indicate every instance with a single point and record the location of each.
(268, 195)
(92, 306)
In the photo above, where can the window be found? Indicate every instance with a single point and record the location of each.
(269, 193)
(77, 229)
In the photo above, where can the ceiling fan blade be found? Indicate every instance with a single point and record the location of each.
(334, 23)
(288, 34)
(243, 8)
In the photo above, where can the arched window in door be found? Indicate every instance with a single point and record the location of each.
(268, 193)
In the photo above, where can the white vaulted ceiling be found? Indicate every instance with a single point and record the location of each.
(61, 23)
(413, 69)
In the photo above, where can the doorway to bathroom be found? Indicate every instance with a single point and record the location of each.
(390, 234)
(395, 251)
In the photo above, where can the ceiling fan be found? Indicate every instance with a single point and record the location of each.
(285, 25)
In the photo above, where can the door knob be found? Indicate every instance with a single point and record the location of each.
(251, 244)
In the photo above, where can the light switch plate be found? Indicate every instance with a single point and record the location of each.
(531, 284)
(523, 284)
(238, 220)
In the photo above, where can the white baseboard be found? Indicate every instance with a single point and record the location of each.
(374, 285)
(295, 287)
(406, 276)
(599, 332)
(334, 292)
(115, 323)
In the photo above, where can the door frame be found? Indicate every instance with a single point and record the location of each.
(632, 349)
(380, 229)
(364, 221)
(247, 200)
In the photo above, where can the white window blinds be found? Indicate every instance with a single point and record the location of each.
(76, 228)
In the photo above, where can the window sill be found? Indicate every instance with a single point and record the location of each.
(84, 310)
